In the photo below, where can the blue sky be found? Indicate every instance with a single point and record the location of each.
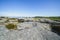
(29, 8)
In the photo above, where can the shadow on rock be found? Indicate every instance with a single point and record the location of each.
(55, 28)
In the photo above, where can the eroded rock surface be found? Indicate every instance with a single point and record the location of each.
(36, 31)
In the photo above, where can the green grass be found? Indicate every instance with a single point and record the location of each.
(52, 18)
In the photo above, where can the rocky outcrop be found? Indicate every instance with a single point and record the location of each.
(36, 31)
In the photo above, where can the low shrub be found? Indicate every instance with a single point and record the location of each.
(20, 20)
(11, 26)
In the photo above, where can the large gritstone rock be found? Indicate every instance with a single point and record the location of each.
(37, 31)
